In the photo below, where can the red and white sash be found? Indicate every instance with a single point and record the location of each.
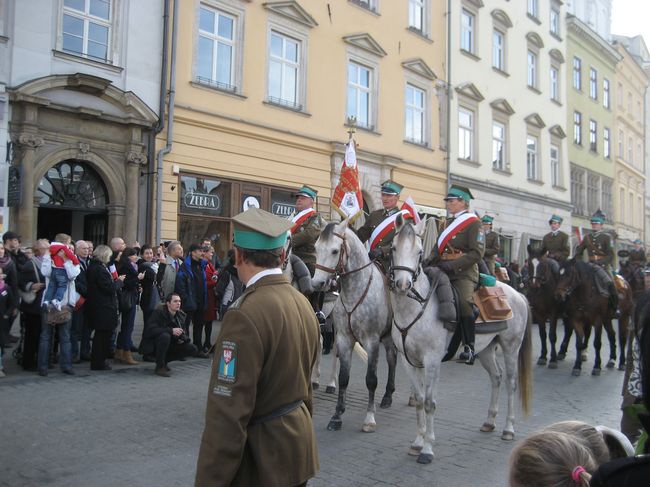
(301, 217)
(460, 223)
(385, 227)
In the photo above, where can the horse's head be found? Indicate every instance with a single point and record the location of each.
(331, 253)
(569, 279)
(540, 271)
(633, 274)
(406, 254)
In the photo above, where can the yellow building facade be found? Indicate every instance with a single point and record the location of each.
(263, 96)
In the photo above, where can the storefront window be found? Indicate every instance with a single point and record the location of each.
(282, 203)
(195, 229)
(204, 196)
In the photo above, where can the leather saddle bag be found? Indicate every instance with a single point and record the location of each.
(492, 303)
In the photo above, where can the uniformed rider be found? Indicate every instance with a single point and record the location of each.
(600, 250)
(457, 252)
(556, 243)
(379, 228)
(307, 225)
(258, 425)
(491, 243)
(637, 254)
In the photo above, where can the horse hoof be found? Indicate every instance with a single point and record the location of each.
(611, 364)
(552, 365)
(621, 367)
(425, 458)
(561, 356)
(386, 402)
(330, 390)
(584, 356)
(414, 451)
(412, 402)
(487, 428)
(369, 428)
(315, 385)
(595, 372)
(541, 361)
(575, 372)
(335, 425)
(508, 436)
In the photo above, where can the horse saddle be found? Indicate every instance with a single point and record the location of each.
(621, 284)
(492, 304)
(502, 274)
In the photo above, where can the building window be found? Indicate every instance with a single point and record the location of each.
(607, 196)
(415, 114)
(606, 101)
(593, 187)
(607, 148)
(621, 203)
(216, 48)
(86, 28)
(577, 128)
(629, 103)
(498, 146)
(417, 14)
(465, 134)
(532, 69)
(533, 8)
(593, 84)
(368, 4)
(555, 165)
(555, 83)
(359, 94)
(577, 73)
(284, 70)
(498, 50)
(631, 208)
(467, 31)
(593, 136)
(578, 190)
(630, 150)
(619, 95)
(531, 157)
(555, 21)
(621, 143)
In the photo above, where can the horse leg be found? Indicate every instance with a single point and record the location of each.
(488, 359)
(568, 331)
(391, 359)
(345, 357)
(336, 366)
(542, 337)
(315, 371)
(623, 329)
(510, 358)
(553, 339)
(431, 373)
(369, 424)
(598, 333)
(585, 344)
(417, 392)
(611, 337)
(577, 366)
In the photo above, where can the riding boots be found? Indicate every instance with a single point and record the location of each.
(467, 328)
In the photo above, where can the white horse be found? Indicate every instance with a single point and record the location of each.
(422, 340)
(362, 313)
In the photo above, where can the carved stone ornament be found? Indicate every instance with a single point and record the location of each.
(30, 141)
(138, 158)
(84, 147)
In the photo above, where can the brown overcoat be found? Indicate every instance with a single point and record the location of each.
(557, 245)
(264, 355)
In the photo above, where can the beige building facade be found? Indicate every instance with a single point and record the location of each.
(263, 96)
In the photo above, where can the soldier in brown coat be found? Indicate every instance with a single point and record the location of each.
(491, 243)
(307, 225)
(258, 426)
(556, 243)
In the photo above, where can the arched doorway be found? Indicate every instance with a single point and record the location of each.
(72, 199)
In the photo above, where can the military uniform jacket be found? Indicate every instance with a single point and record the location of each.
(637, 257)
(599, 248)
(470, 241)
(491, 245)
(264, 355)
(374, 219)
(304, 238)
(556, 245)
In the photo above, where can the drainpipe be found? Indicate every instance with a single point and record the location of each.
(448, 92)
(170, 124)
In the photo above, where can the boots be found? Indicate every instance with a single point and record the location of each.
(468, 354)
(613, 299)
(119, 354)
(128, 359)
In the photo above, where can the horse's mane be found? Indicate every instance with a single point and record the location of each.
(408, 229)
(584, 269)
(328, 231)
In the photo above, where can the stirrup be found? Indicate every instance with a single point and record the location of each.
(320, 316)
(467, 356)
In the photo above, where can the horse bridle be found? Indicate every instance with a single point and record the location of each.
(544, 279)
(415, 273)
(339, 270)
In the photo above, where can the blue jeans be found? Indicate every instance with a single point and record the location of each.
(57, 285)
(45, 346)
(125, 337)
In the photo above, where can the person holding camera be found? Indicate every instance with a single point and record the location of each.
(164, 336)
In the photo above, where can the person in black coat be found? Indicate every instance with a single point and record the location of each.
(191, 286)
(128, 302)
(101, 305)
(150, 297)
(164, 336)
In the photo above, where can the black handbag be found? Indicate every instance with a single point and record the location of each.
(126, 300)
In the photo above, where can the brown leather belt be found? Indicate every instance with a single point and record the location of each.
(596, 258)
(452, 255)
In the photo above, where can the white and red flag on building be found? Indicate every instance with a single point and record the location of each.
(347, 199)
(409, 205)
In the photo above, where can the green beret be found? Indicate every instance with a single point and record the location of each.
(257, 229)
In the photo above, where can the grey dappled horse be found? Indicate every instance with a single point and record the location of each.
(362, 313)
(422, 339)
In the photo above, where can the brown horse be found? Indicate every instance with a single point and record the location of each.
(586, 308)
(634, 275)
(542, 281)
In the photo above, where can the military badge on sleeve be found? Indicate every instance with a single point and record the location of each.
(227, 362)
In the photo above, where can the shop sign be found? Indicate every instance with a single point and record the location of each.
(282, 209)
(201, 201)
(204, 195)
(249, 201)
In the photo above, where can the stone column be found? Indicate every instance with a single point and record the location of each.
(115, 222)
(134, 161)
(28, 143)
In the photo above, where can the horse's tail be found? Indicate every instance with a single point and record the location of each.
(525, 380)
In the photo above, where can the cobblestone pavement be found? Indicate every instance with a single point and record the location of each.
(127, 425)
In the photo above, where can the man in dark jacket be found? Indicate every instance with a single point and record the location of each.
(164, 337)
(193, 290)
(11, 241)
(79, 329)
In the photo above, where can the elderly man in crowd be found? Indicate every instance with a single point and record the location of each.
(80, 331)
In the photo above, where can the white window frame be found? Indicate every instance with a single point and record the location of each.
(607, 143)
(501, 165)
(532, 8)
(425, 12)
(577, 73)
(606, 94)
(593, 135)
(467, 135)
(361, 57)
(556, 161)
(554, 20)
(289, 96)
(216, 40)
(112, 52)
(621, 144)
(532, 158)
(593, 83)
(630, 150)
(577, 128)
(468, 32)
(419, 84)
(499, 51)
(532, 69)
(621, 198)
(554, 83)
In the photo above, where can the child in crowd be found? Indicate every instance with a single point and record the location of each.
(59, 278)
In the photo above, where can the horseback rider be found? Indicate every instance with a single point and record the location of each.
(457, 252)
(491, 243)
(556, 243)
(637, 255)
(379, 227)
(601, 255)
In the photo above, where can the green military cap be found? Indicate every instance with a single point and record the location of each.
(638, 241)
(487, 219)
(307, 191)
(556, 218)
(391, 187)
(598, 217)
(459, 192)
(257, 229)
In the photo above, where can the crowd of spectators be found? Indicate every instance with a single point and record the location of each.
(73, 302)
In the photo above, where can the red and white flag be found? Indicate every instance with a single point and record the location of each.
(579, 234)
(113, 271)
(409, 205)
(347, 199)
